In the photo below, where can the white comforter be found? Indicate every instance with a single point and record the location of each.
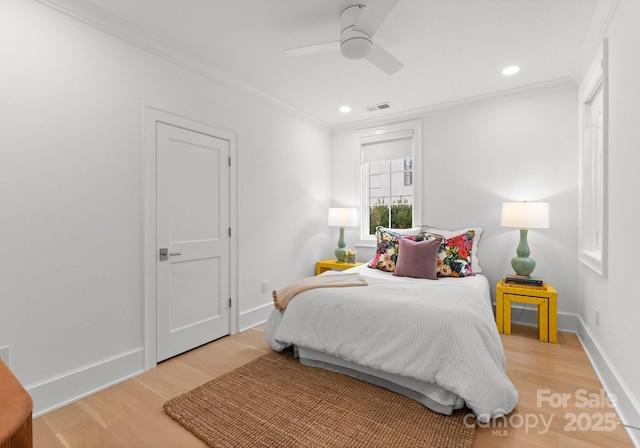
(435, 331)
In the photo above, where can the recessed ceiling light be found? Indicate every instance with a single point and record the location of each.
(512, 70)
(345, 109)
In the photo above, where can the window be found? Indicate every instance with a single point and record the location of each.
(593, 205)
(389, 174)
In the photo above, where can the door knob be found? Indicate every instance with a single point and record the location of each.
(165, 254)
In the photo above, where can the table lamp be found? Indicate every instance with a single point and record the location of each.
(524, 215)
(342, 217)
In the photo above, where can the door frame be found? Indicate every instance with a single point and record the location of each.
(150, 117)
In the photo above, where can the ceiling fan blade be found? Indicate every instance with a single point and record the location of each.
(317, 48)
(373, 15)
(384, 60)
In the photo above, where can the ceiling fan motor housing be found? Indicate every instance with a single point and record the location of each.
(354, 44)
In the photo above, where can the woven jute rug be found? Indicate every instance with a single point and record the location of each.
(274, 401)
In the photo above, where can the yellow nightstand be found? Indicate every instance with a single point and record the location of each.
(546, 299)
(328, 265)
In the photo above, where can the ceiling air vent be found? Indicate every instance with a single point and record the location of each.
(381, 106)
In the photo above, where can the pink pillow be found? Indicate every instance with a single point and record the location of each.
(417, 259)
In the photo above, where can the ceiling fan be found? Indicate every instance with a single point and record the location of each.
(358, 24)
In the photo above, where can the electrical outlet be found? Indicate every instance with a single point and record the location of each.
(265, 286)
(597, 318)
(5, 355)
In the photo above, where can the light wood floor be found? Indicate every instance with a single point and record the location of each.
(131, 415)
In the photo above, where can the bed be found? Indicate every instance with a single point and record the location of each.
(432, 340)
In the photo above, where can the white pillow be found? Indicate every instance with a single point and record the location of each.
(475, 264)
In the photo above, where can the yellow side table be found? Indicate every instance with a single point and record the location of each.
(328, 265)
(546, 298)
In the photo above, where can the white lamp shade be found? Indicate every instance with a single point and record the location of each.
(525, 215)
(343, 217)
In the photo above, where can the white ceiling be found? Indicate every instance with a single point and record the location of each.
(451, 49)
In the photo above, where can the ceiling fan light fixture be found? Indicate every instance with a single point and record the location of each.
(356, 47)
(354, 44)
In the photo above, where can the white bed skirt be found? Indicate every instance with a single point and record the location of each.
(430, 395)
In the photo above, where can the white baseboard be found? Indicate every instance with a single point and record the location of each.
(255, 316)
(626, 405)
(61, 390)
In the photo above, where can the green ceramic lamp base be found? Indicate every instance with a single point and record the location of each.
(522, 264)
(342, 247)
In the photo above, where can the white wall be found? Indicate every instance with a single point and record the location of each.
(478, 155)
(481, 154)
(71, 100)
(613, 345)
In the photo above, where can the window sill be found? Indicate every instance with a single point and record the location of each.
(594, 261)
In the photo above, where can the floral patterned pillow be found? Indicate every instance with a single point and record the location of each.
(387, 249)
(454, 256)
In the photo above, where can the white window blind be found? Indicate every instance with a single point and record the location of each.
(398, 145)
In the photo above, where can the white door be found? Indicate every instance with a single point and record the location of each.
(193, 243)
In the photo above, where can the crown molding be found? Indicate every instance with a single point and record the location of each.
(493, 97)
(596, 32)
(107, 23)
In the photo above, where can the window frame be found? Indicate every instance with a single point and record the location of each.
(593, 194)
(383, 133)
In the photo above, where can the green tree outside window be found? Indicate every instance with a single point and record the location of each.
(397, 216)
